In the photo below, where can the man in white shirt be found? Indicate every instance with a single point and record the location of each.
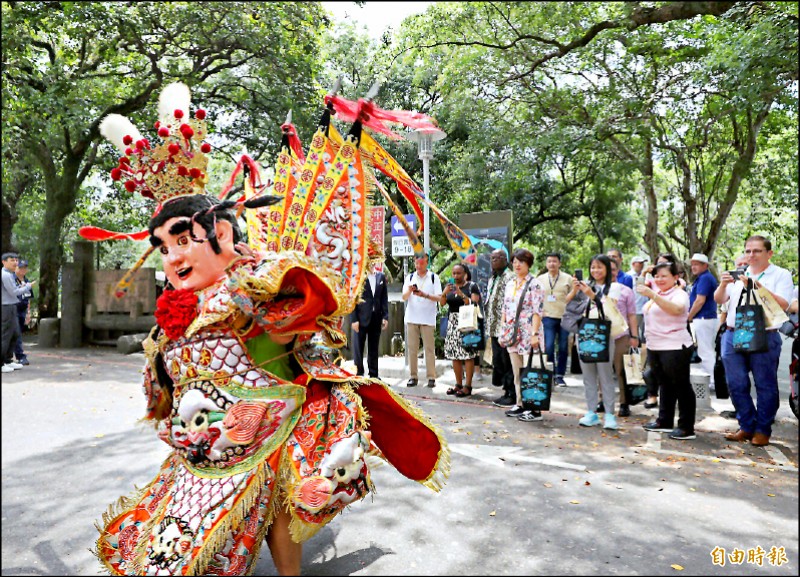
(421, 290)
(755, 420)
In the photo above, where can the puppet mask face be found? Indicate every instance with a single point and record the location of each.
(190, 264)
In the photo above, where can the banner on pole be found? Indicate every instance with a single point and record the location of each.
(375, 220)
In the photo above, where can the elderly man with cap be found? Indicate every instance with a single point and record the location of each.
(703, 312)
(23, 310)
(10, 327)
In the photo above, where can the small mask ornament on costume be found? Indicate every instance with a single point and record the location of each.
(169, 542)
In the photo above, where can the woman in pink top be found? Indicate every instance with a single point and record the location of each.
(668, 351)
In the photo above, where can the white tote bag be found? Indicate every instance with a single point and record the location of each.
(468, 318)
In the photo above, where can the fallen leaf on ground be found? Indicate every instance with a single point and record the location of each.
(676, 567)
(548, 485)
(574, 502)
(493, 513)
(770, 495)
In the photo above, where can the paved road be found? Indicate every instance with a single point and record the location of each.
(523, 498)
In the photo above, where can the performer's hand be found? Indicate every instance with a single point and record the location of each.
(384, 324)
(355, 326)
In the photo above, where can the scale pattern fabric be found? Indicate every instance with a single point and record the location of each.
(245, 441)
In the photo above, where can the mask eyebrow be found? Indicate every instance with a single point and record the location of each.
(181, 226)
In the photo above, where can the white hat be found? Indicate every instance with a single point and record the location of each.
(639, 259)
(699, 257)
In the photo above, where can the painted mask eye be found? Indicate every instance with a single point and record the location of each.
(183, 240)
(164, 250)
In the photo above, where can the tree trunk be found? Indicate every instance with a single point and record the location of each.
(651, 227)
(19, 183)
(8, 218)
(690, 240)
(61, 192)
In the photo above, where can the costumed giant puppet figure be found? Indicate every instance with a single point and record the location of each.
(268, 435)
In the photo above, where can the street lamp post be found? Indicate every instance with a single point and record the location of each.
(424, 137)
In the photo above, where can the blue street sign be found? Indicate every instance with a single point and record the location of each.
(397, 228)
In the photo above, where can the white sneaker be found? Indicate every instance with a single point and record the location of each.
(8, 369)
(14, 365)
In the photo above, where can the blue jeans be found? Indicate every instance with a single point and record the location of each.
(552, 327)
(753, 417)
(18, 351)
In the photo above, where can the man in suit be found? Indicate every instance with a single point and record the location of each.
(368, 319)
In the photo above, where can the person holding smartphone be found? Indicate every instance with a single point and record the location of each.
(669, 352)
(459, 292)
(421, 291)
(598, 376)
(755, 419)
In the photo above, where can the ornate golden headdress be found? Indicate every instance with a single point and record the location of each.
(174, 168)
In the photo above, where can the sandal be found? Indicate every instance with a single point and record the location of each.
(464, 392)
(454, 390)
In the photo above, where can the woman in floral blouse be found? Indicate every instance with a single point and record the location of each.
(522, 323)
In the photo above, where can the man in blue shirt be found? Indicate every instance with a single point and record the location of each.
(703, 312)
(622, 277)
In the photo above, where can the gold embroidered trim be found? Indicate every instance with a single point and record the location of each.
(215, 542)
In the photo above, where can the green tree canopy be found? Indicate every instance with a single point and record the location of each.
(66, 65)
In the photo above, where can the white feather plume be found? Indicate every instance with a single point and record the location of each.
(176, 96)
(115, 126)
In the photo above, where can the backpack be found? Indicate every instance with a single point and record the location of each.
(433, 277)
